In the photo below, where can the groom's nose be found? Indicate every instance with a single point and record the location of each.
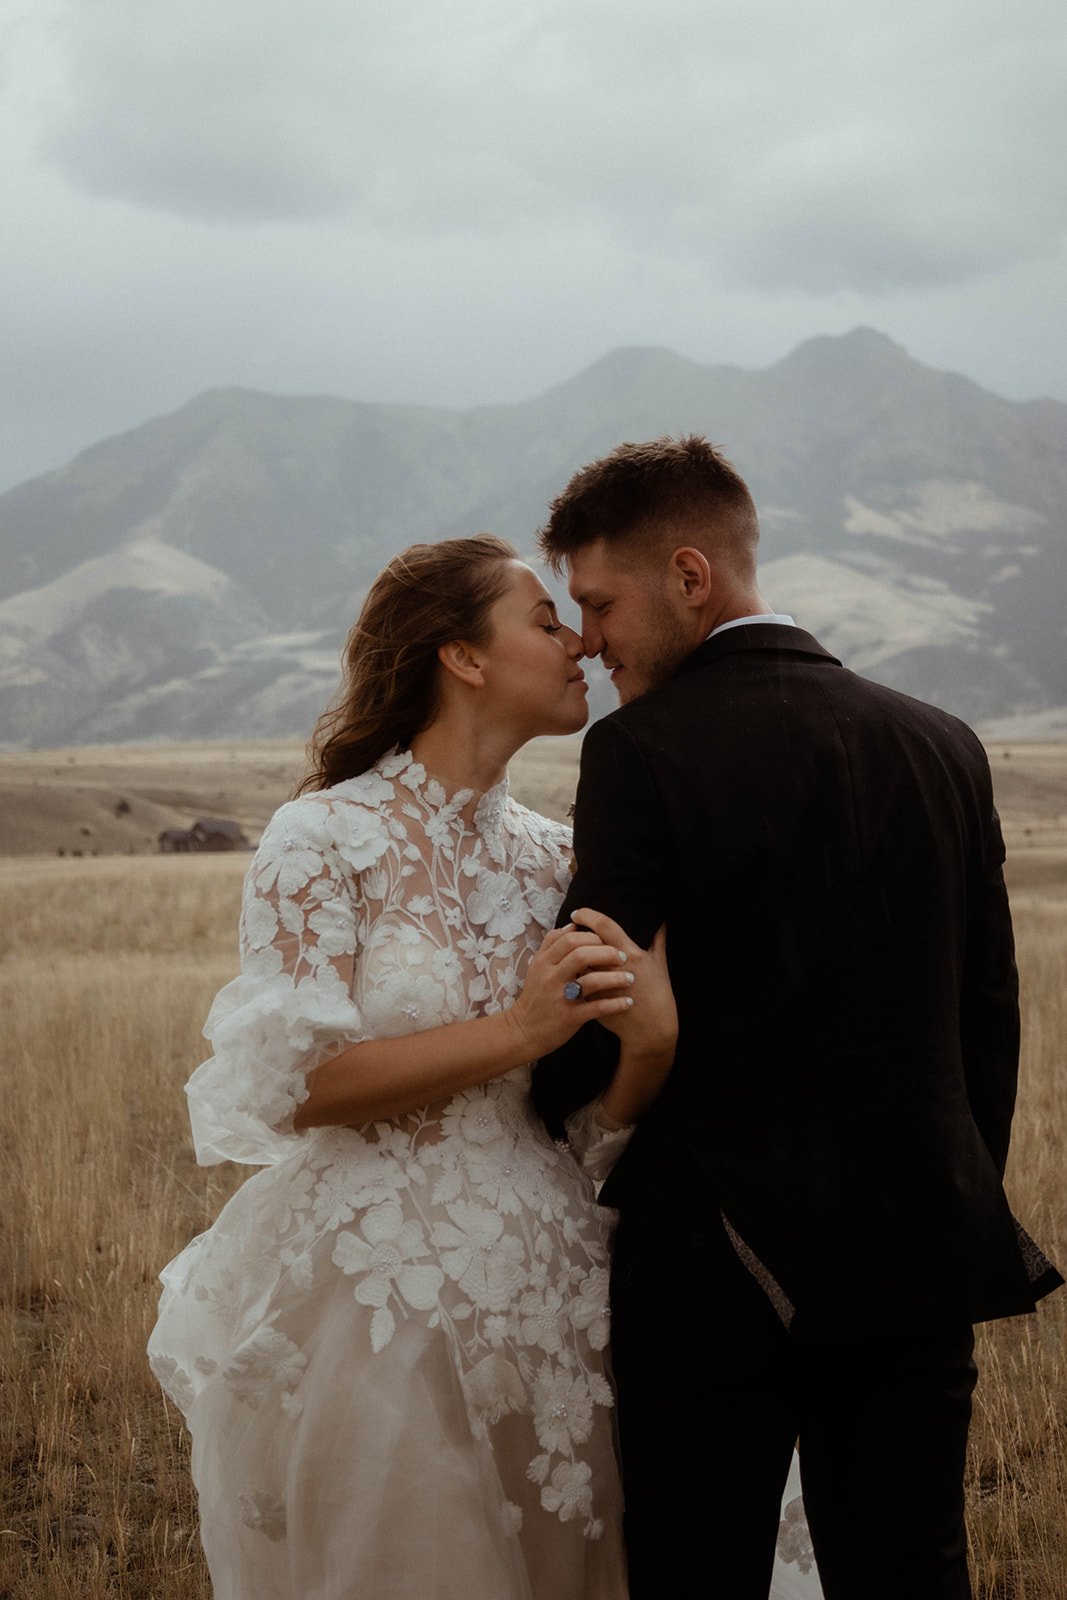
(592, 638)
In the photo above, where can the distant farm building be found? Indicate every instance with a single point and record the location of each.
(207, 833)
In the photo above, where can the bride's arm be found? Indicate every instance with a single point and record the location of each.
(291, 1049)
(382, 1078)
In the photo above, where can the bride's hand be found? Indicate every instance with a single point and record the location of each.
(543, 1013)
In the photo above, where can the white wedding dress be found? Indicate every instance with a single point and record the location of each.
(391, 1347)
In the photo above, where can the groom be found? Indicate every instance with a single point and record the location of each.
(812, 1214)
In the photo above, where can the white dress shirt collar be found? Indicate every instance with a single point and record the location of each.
(740, 622)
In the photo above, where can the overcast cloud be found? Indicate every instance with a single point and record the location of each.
(467, 201)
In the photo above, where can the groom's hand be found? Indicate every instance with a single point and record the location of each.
(648, 1030)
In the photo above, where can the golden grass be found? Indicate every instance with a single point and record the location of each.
(1018, 1469)
(108, 970)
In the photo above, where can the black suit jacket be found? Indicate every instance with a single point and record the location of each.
(828, 861)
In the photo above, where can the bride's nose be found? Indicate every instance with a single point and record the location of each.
(573, 641)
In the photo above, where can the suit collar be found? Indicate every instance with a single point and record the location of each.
(765, 636)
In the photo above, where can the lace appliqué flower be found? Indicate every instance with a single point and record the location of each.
(498, 903)
(265, 1363)
(264, 1513)
(382, 1261)
(486, 1262)
(794, 1540)
(570, 1494)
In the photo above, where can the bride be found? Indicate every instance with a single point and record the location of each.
(390, 1348)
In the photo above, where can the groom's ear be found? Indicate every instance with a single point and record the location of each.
(689, 574)
(463, 661)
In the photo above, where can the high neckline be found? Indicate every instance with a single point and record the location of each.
(400, 766)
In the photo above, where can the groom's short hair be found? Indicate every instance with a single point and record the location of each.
(683, 485)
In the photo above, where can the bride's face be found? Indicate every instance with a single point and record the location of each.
(530, 665)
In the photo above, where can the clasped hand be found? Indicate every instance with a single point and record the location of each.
(622, 986)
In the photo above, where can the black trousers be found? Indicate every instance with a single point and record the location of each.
(713, 1393)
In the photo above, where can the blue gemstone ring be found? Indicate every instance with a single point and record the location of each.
(572, 990)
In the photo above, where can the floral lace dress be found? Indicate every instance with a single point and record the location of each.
(390, 1349)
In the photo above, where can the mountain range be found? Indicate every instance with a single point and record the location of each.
(194, 578)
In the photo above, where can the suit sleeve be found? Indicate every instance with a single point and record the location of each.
(622, 849)
(989, 1021)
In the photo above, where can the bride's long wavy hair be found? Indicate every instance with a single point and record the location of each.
(426, 596)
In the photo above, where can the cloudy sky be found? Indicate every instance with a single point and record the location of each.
(465, 201)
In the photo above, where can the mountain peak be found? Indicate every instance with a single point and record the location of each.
(862, 347)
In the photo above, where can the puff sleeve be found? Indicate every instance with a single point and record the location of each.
(302, 924)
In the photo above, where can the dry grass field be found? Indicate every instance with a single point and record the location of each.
(108, 967)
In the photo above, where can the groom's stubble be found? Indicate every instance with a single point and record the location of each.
(656, 651)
